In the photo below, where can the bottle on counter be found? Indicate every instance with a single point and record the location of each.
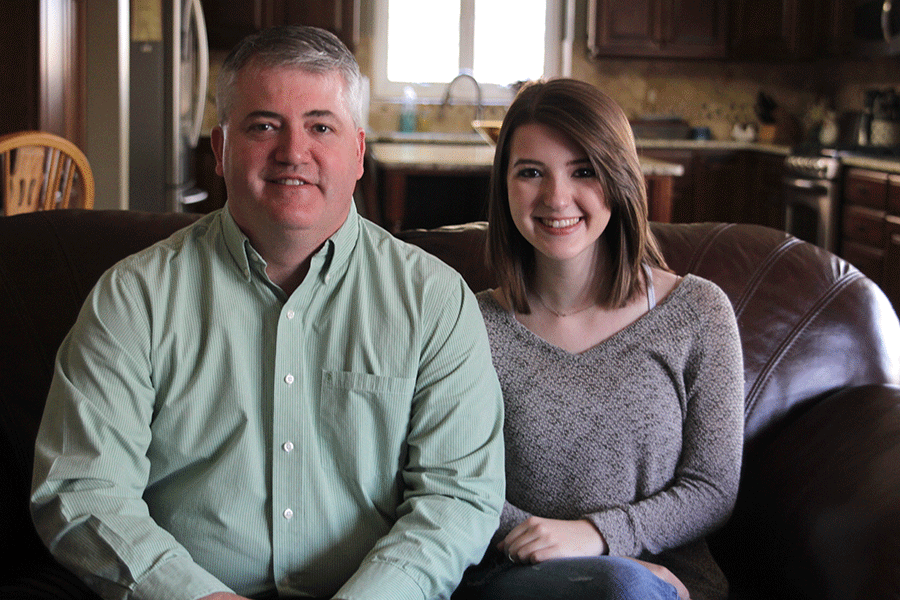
(408, 110)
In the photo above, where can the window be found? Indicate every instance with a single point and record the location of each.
(499, 42)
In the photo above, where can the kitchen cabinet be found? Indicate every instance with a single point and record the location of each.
(228, 21)
(778, 29)
(839, 18)
(658, 28)
(870, 233)
(724, 185)
(720, 185)
(764, 204)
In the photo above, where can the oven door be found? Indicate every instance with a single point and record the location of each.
(810, 210)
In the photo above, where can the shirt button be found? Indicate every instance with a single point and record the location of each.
(290, 314)
(287, 446)
(289, 379)
(288, 514)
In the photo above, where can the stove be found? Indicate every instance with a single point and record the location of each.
(810, 190)
(826, 165)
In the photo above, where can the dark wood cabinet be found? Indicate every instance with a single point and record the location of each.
(870, 232)
(658, 28)
(728, 186)
(764, 204)
(720, 186)
(778, 29)
(228, 21)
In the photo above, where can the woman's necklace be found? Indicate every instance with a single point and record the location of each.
(564, 314)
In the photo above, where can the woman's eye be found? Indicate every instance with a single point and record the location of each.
(585, 172)
(528, 173)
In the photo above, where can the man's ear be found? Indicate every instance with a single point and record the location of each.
(361, 151)
(217, 141)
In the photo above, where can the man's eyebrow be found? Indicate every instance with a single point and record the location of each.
(319, 113)
(264, 114)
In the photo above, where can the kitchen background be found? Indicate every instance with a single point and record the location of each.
(71, 59)
(706, 93)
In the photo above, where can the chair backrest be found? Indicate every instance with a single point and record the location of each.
(42, 171)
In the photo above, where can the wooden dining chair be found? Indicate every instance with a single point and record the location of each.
(42, 171)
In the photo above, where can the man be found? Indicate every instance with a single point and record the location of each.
(281, 400)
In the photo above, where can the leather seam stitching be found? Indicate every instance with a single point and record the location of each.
(763, 270)
(789, 341)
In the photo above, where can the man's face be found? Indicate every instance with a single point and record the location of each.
(289, 152)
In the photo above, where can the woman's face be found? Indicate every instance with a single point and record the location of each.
(555, 197)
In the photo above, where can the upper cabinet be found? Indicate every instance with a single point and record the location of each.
(738, 29)
(777, 29)
(658, 28)
(228, 21)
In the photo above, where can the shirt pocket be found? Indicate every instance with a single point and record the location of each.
(365, 419)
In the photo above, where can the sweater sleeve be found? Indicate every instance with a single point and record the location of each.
(509, 519)
(701, 494)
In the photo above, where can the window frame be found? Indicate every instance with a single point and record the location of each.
(557, 52)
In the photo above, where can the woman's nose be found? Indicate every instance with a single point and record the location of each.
(557, 192)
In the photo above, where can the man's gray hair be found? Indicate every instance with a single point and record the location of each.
(311, 49)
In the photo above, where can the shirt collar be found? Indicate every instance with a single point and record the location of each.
(330, 259)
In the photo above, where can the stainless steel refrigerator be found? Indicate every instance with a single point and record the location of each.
(168, 83)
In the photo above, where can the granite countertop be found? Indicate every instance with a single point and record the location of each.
(888, 165)
(712, 145)
(469, 157)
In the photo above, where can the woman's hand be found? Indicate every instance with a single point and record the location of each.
(667, 576)
(536, 540)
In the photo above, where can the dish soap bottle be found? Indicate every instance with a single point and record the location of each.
(408, 110)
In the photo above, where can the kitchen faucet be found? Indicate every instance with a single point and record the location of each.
(463, 75)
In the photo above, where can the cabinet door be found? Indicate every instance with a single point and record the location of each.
(229, 21)
(777, 29)
(696, 29)
(658, 28)
(890, 279)
(625, 28)
(340, 17)
(866, 188)
(720, 186)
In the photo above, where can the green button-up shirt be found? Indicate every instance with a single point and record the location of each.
(205, 430)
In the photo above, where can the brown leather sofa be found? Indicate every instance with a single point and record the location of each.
(818, 515)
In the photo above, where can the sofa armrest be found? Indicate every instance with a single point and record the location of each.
(831, 480)
(46, 581)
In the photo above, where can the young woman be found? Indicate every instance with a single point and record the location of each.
(623, 382)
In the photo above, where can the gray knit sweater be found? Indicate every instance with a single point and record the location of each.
(641, 434)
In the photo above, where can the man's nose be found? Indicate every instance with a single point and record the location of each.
(293, 146)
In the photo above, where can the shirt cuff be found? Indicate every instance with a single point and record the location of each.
(177, 580)
(380, 581)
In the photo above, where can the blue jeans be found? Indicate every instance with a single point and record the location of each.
(592, 578)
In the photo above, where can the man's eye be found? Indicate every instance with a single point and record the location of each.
(261, 127)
